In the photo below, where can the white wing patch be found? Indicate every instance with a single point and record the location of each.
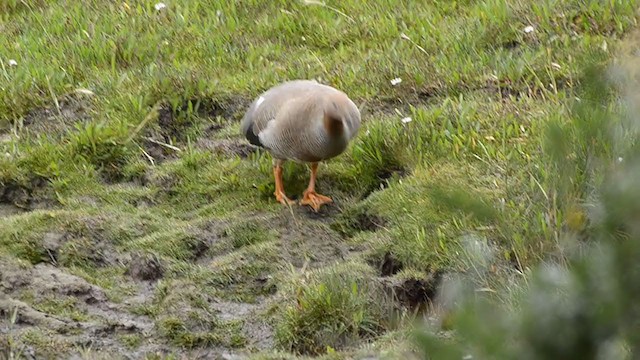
(260, 100)
(266, 135)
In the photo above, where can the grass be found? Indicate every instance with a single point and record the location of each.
(109, 113)
(333, 310)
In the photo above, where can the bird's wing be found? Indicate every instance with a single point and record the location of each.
(267, 106)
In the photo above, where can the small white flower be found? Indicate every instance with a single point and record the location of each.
(528, 29)
(12, 62)
(159, 6)
(219, 13)
(620, 159)
(396, 81)
(406, 120)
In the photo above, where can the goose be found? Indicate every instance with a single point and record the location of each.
(302, 121)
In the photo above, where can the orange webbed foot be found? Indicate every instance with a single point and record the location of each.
(315, 200)
(283, 199)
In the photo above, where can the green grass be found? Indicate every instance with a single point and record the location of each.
(95, 81)
(333, 310)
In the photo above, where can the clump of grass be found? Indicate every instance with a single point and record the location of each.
(358, 219)
(377, 156)
(132, 341)
(14, 6)
(183, 315)
(237, 272)
(64, 307)
(104, 146)
(177, 243)
(176, 330)
(81, 252)
(426, 217)
(249, 232)
(335, 310)
(45, 341)
(23, 237)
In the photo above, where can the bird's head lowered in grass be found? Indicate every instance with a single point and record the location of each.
(304, 121)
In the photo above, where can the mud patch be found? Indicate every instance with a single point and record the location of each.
(401, 106)
(50, 280)
(356, 221)
(382, 178)
(199, 246)
(52, 242)
(227, 147)
(145, 267)
(164, 182)
(71, 109)
(31, 195)
(259, 333)
(326, 214)
(45, 281)
(84, 315)
(25, 315)
(416, 293)
(388, 265)
(7, 210)
(186, 316)
(211, 237)
(314, 243)
(506, 88)
(510, 44)
(385, 175)
(174, 125)
(229, 310)
(83, 243)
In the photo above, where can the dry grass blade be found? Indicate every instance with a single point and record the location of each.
(405, 37)
(320, 3)
(153, 114)
(168, 146)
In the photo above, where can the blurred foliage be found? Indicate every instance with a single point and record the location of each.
(586, 306)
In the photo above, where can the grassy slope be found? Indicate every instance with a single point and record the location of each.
(85, 190)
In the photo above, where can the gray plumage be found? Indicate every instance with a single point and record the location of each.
(302, 120)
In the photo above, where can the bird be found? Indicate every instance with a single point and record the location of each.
(302, 121)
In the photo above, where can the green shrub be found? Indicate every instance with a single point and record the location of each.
(584, 307)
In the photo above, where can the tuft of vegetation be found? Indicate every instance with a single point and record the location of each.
(102, 146)
(333, 310)
(249, 233)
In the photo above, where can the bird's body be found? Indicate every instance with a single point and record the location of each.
(303, 121)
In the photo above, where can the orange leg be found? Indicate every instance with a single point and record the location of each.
(279, 193)
(311, 197)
